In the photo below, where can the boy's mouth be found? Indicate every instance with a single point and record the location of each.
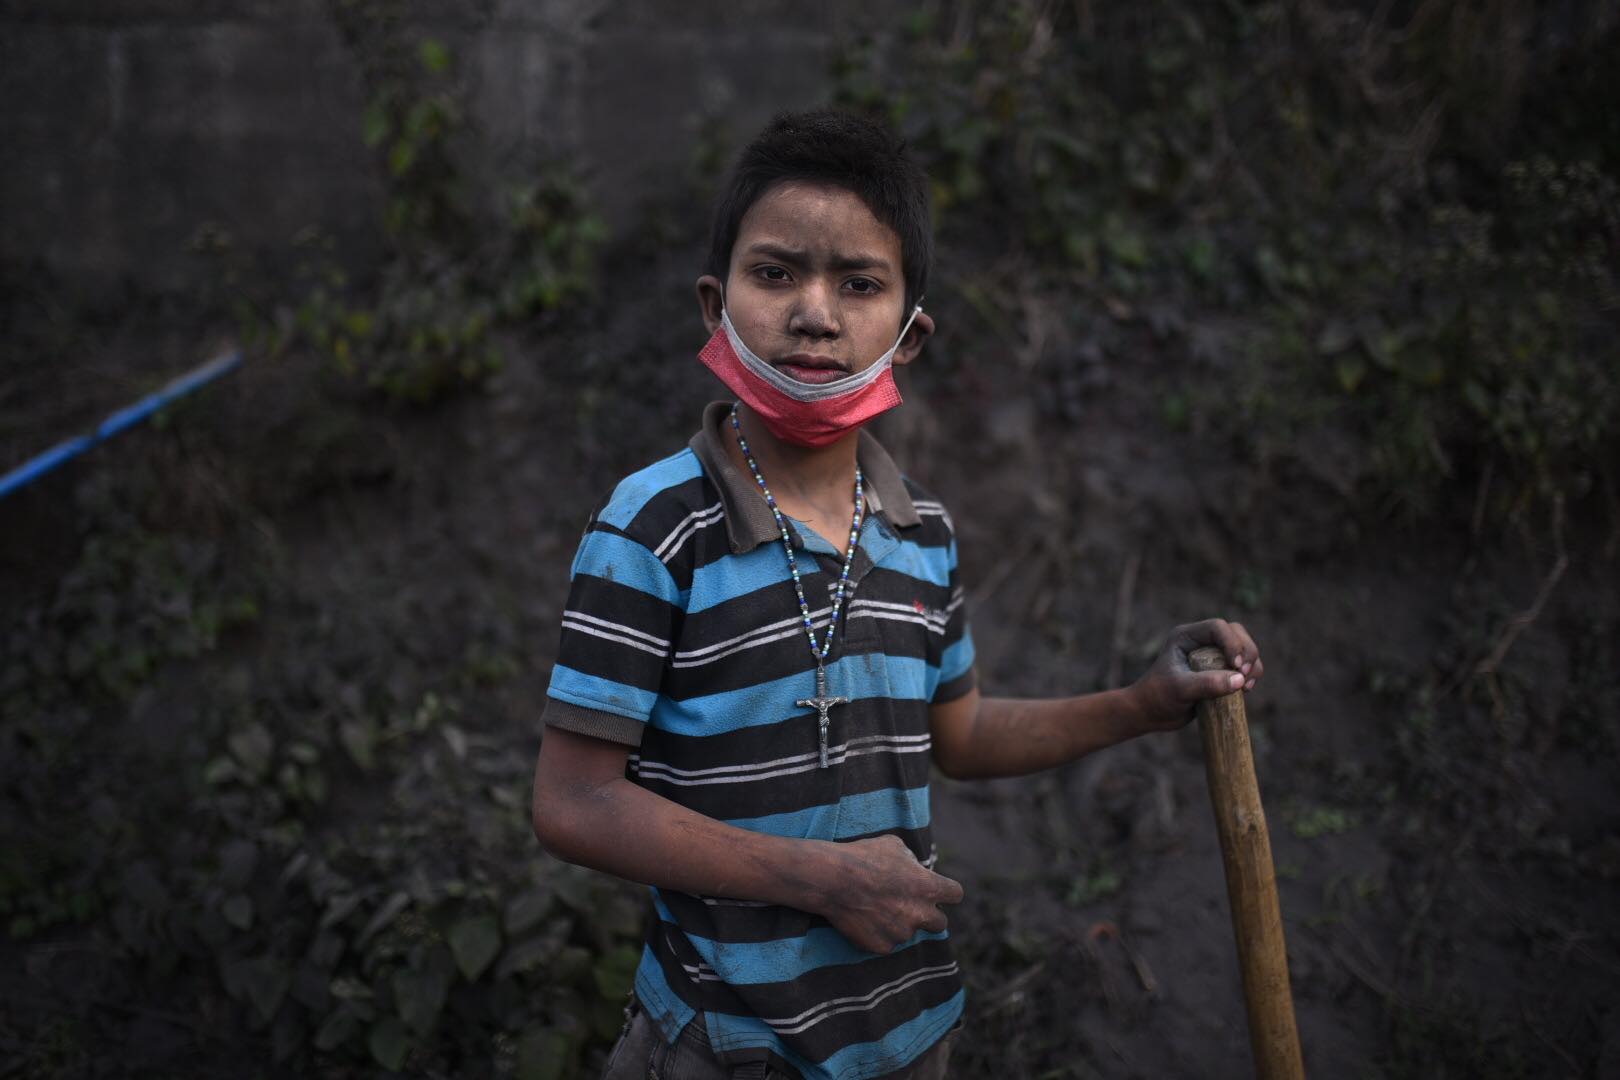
(806, 368)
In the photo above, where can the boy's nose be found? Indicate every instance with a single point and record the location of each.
(815, 313)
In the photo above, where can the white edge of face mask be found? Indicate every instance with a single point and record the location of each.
(805, 392)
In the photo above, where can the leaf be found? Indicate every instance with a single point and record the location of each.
(1176, 411)
(569, 966)
(212, 930)
(401, 157)
(1424, 366)
(618, 915)
(573, 888)
(1093, 886)
(419, 996)
(1315, 821)
(347, 988)
(1335, 337)
(252, 748)
(525, 957)
(505, 796)
(1200, 257)
(239, 911)
(288, 778)
(359, 323)
(435, 57)
(295, 866)
(389, 1043)
(457, 740)
(1350, 368)
(1384, 348)
(219, 771)
(375, 125)
(265, 980)
(237, 861)
(340, 907)
(420, 119)
(310, 987)
(336, 1030)
(1126, 245)
(605, 1018)
(475, 942)
(358, 737)
(525, 910)
(144, 887)
(615, 972)
(386, 914)
(546, 1055)
(287, 1035)
(325, 951)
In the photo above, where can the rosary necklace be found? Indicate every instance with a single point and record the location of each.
(821, 702)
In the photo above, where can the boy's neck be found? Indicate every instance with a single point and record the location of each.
(817, 479)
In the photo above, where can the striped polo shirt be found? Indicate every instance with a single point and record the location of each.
(683, 638)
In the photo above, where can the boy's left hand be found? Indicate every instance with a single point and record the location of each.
(1167, 695)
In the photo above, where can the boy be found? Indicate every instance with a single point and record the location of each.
(764, 649)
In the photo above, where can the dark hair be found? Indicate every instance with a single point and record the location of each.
(831, 147)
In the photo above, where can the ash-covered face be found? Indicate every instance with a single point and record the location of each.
(815, 287)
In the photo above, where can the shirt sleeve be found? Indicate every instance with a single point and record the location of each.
(956, 673)
(617, 626)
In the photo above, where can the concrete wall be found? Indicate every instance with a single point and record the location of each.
(126, 125)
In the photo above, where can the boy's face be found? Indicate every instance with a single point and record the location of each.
(815, 286)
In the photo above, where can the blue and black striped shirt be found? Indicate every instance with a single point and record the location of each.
(683, 638)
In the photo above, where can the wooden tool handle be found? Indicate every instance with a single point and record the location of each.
(1251, 879)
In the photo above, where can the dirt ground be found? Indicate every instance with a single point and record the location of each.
(1447, 843)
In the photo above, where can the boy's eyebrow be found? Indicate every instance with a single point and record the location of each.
(838, 261)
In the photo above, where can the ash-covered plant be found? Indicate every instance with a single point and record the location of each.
(456, 269)
(1390, 234)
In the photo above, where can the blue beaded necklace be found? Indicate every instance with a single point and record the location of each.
(819, 650)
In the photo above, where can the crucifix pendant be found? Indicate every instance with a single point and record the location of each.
(821, 703)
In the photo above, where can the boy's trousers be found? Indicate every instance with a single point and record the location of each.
(641, 1052)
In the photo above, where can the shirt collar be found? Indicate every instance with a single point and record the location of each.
(749, 522)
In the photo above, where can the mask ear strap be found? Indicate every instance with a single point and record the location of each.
(915, 311)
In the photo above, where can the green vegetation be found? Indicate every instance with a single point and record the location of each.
(294, 858)
(1310, 822)
(294, 864)
(1408, 236)
(1100, 882)
(1398, 242)
(1451, 1039)
(1377, 253)
(457, 270)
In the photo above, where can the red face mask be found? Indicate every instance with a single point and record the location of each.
(803, 414)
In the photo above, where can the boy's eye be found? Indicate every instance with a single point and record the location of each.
(863, 285)
(773, 273)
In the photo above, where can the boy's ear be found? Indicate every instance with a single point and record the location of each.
(711, 300)
(922, 328)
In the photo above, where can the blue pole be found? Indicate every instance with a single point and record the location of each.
(40, 464)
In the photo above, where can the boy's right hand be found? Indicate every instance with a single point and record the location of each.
(881, 895)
